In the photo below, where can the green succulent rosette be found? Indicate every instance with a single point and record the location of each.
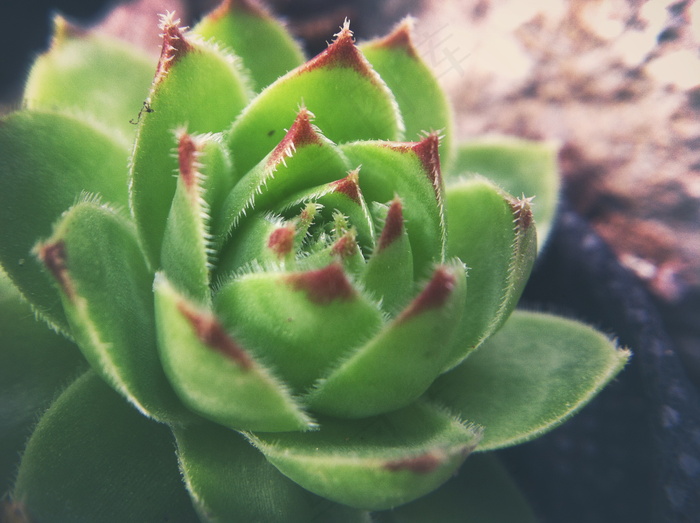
(278, 272)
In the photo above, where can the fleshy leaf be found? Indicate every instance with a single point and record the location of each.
(410, 171)
(374, 463)
(265, 47)
(521, 167)
(299, 322)
(85, 73)
(230, 480)
(214, 375)
(204, 179)
(493, 234)
(481, 492)
(34, 364)
(47, 160)
(339, 86)
(94, 458)
(196, 86)
(105, 287)
(422, 101)
(532, 375)
(397, 366)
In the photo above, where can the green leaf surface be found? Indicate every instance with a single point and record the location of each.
(46, 161)
(410, 171)
(214, 375)
(492, 233)
(94, 458)
(94, 76)
(301, 323)
(350, 101)
(230, 480)
(106, 291)
(373, 463)
(532, 375)
(35, 364)
(422, 101)
(196, 87)
(265, 47)
(481, 492)
(521, 167)
(397, 365)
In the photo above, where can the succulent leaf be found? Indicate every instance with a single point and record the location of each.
(349, 99)
(83, 72)
(195, 86)
(265, 47)
(105, 288)
(374, 463)
(48, 160)
(531, 376)
(216, 462)
(493, 234)
(113, 464)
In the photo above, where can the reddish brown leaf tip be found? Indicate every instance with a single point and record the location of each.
(393, 226)
(300, 134)
(400, 38)
(324, 285)
(423, 464)
(346, 245)
(341, 53)
(429, 155)
(63, 30)
(434, 295)
(211, 333)
(174, 44)
(281, 241)
(187, 157)
(54, 257)
(522, 212)
(349, 186)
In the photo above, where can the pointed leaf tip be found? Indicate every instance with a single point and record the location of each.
(211, 333)
(324, 285)
(522, 212)
(434, 295)
(281, 241)
(428, 152)
(393, 226)
(346, 245)
(301, 133)
(53, 255)
(342, 52)
(401, 37)
(174, 43)
(349, 186)
(187, 157)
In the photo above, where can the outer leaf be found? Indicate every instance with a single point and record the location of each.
(94, 458)
(302, 323)
(46, 161)
(521, 167)
(398, 365)
(422, 101)
(531, 376)
(230, 480)
(412, 172)
(481, 492)
(339, 86)
(105, 287)
(265, 47)
(493, 234)
(196, 86)
(34, 364)
(373, 463)
(214, 375)
(94, 76)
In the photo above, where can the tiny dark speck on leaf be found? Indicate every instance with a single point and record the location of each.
(271, 132)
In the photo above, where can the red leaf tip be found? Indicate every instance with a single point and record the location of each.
(174, 43)
(187, 152)
(401, 38)
(211, 333)
(423, 464)
(393, 226)
(522, 212)
(429, 155)
(349, 186)
(323, 286)
(434, 295)
(281, 241)
(346, 245)
(301, 133)
(342, 52)
(53, 256)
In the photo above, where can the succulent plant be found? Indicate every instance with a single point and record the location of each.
(277, 273)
